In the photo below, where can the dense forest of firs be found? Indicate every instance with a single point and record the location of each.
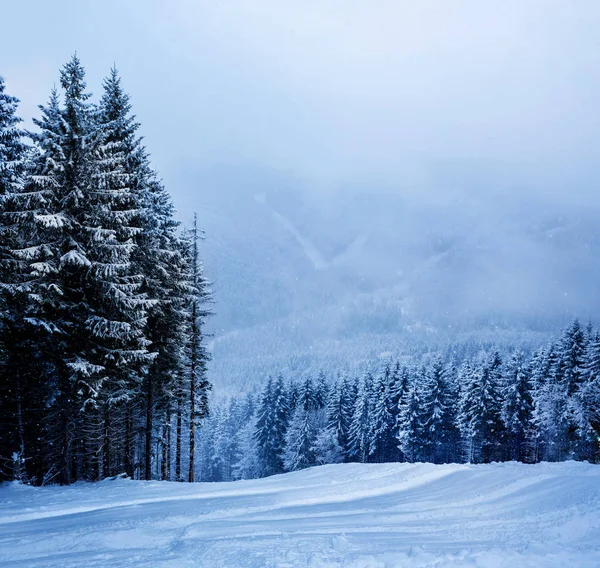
(102, 298)
(102, 361)
(488, 407)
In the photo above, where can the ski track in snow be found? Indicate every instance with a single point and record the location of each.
(354, 515)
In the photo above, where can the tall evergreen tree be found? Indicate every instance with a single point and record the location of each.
(299, 451)
(195, 375)
(68, 293)
(339, 414)
(383, 445)
(440, 435)
(410, 425)
(517, 408)
(16, 450)
(479, 413)
(360, 427)
(573, 356)
(271, 426)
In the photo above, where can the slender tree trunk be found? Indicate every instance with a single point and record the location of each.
(168, 434)
(128, 441)
(64, 450)
(178, 476)
(158, 461)
(18, 470)
(148, 432)
(106, 449)
(164, 452)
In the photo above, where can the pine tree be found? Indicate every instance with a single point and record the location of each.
(67, 306)
(360, 427)
(398, 392)
(517, 407)
(307, 397)
(322, 390)
(245, 462)
(479, 414)
(271, 426)
(299, 452)
(327, 448)
(440, 435)
(160, 257)
(16, 449)
(197, 383)
(573, 354)
(410, 425)
(339, 415)
(383, 445)
(550, 401)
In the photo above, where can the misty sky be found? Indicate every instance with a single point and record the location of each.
(336, 91)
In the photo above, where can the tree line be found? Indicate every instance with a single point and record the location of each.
(491, 407)
(102, 297)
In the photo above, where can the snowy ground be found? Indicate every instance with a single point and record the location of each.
(352, 515)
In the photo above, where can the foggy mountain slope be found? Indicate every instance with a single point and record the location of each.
(306, 281)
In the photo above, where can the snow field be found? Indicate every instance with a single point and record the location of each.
(355, 515)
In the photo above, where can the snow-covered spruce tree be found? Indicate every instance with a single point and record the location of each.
(293, 390)
(327, 448)
(194, 387)
(271, 426)
(207, 462)
(17, 447)
(440, 434)
(339, 415)
(398, 390)
(307, 420)
(118, 210)
(225, 444)
(517, 408)
(573, 348)
(321, 390)
(383, 444)
(360, 426)
(307, 396)
(85, 299)
(245, 465)
(549, 405)
(159, 257)
(410, 425)
(299, 451)
(479, 415)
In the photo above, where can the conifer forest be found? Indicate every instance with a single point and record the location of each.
(104, 364)
(103, 297)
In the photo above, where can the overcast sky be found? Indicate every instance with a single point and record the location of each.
(335, 90)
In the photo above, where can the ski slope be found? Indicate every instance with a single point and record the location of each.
(351, 515)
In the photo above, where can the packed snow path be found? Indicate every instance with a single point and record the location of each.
(351, 515)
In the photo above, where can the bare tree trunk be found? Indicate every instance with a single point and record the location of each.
(168, 442)
(19, 461)
(148, 433)
(128, 441)
(165, 452)
(106, 472)
(178, 476)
